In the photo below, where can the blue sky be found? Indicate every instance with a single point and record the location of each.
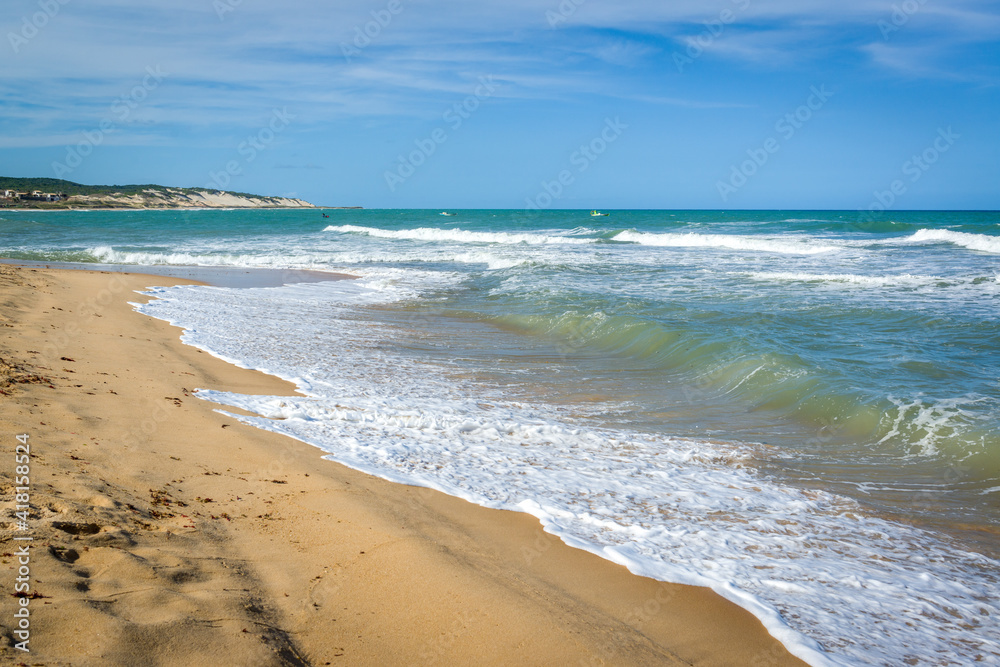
(575, 104)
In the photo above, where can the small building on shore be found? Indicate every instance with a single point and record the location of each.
(36, 195)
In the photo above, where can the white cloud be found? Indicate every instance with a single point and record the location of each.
(232, 71)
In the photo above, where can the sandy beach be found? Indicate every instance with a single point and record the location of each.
(166, 533)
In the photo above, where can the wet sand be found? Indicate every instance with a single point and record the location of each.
(167, 533)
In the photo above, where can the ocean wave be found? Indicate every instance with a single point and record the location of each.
(731, 242)
(902, 280)
(925, 427)
(836, 585)
(905, 280)
(318, 260)
(715, 367)
(493, 262)
(980, 242)
(459, 235)
(108, 255)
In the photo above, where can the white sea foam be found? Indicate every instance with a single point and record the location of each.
(493, 262)
(933, 421)
(834, 585)
(459, 235)
(783, 245)
(905, 280)
(316, 260)
(980, 242)
(109, 255)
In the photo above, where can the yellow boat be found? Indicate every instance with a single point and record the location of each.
(596, 214)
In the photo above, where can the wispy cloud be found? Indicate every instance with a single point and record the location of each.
(226, 74)
(928, 61)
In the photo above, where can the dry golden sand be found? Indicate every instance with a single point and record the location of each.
(169, 534)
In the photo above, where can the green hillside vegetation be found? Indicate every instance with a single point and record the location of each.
(71, 189)
(57, 185)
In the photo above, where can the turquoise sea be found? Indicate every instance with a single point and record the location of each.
(800, 409)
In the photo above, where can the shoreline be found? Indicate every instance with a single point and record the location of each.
(167, 532)
(182, 208)
(218, 276)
